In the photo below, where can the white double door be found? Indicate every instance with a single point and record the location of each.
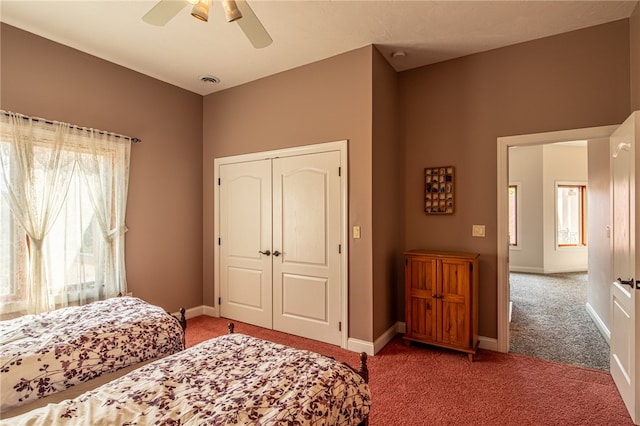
(280, 251)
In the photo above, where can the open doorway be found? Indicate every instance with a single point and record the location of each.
(550, 258)
(548, 252)
(549, 320)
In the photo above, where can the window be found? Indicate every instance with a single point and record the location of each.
(13, 257)
(571, 215)
(513, 215)
(63, 194)
(73, 249)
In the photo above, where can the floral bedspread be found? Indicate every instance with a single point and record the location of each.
(47, 353)
(230, 380)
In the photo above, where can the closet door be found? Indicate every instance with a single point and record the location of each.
(245, 246)
(306, 244)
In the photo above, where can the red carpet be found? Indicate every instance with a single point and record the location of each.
(420, 385)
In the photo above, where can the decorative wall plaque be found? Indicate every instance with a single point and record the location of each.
(439, 190)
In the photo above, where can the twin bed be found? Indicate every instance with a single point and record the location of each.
(232, 379)
(55, 355)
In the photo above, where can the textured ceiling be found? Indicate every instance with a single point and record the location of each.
(302, 32)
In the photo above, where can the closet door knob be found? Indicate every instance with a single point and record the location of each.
(266, 253)
(276, 253)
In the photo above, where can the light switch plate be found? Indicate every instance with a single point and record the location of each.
(356, 232)
(477, 231)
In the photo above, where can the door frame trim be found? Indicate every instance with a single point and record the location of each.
(340, 146)
(504, 143)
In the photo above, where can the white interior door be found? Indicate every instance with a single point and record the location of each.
(624, 298)
(306, 235)
(245, 246)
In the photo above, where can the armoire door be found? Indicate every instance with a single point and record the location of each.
(245, 242)
(455, 302)
(306, 233)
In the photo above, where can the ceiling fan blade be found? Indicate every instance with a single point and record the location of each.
(164, 11)
(252, 27)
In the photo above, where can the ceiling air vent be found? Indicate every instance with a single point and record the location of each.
(209, 79)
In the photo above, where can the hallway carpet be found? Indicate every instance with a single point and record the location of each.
(420, 385)
(549, 320)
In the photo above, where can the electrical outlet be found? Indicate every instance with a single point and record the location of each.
(477, 231)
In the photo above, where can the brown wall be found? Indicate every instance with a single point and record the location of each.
(163, 245)
(453, 112)
(388, 200)
(634, 33)
(449, 113)
(325, 101)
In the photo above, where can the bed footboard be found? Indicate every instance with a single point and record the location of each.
(183, 323)
(182, 320)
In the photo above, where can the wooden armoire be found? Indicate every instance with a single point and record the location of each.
(441, 299)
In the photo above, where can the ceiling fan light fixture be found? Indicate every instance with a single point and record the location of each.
(231, 10)
(201, 10)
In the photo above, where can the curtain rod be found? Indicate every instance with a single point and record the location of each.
(86, 129)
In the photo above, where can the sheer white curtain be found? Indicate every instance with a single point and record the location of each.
(36, 172)
(67, 189)
(104, 166)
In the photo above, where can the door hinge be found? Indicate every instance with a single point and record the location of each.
(219, 300)
(340, 248)
(339, 171)
(218, 181)
(339, 325)
(219, 241)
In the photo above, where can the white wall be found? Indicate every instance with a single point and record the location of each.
(599, 215)
(525, 169)
(537, 169)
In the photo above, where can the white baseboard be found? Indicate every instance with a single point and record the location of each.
(199, 310)
(602, 327)
(387, 336)
(211, 311)
(488, 343)
(400, 327)
(538, 270)
(579, 268)
(355, 345)
(526, 269)
(372, 348)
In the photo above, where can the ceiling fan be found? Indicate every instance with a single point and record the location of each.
(235, 11)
